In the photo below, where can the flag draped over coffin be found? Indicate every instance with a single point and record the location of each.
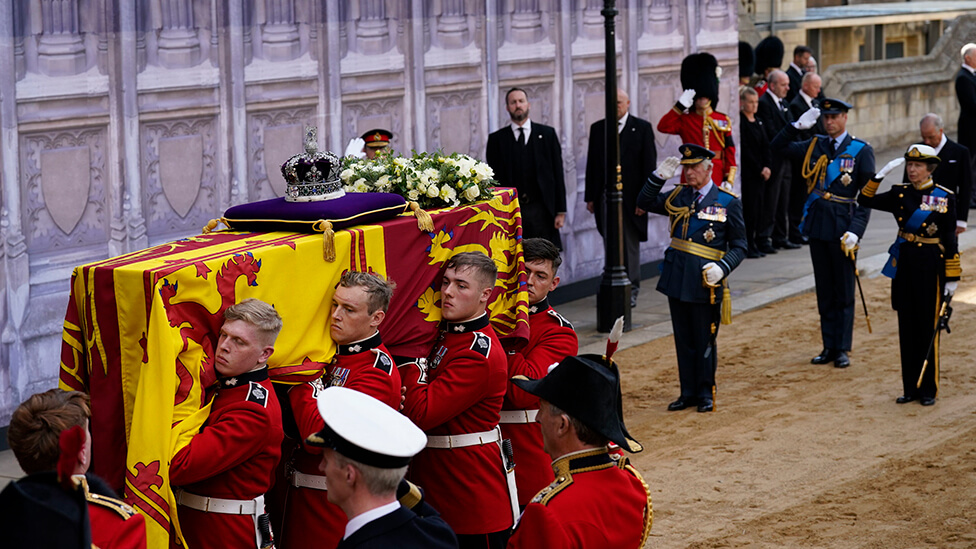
(141, 329)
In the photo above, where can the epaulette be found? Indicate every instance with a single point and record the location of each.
(383, 361)
(562, 320)
(411, 494)
(257, 394)
(481, 344)
(564, 468)
(950, 191)
(122, 508)
(727, 191)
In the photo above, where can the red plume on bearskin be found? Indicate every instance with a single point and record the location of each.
(71, 442)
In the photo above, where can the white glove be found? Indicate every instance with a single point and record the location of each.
(355, 148)
(713, 273)
(667, 168)
(807, 119)
(888, 167)
(848, 241)
(950, 288)
(687, 98)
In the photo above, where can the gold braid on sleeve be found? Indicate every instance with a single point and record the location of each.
(819, 169)
(678, 213)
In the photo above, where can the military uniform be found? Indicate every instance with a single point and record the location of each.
(711, 229)
(455, 396)
(232, 458)
(923, 258)
(310, 519)
(551, 339)
(402, 529)
(830, 211)
(114, 524)
(712, 131)
(597, 500)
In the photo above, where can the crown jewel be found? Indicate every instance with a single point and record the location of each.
(312, 175)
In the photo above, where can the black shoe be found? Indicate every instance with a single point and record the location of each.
(800, 240)
(706, 405)
(766, 248)
(681, 404)
(842, 361)
(826, 356)
(927, 401)
(904, 399)
(753, 253)
(785, 245)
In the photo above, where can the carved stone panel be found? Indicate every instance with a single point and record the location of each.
(274, 137)
(179, 159)
(540, 103)
(454, 121)
(64, 203)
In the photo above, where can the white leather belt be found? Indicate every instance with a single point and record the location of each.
(460, 441)
(301, 480)
(219, 505)
(518, 416)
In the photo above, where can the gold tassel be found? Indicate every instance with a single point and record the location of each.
(726, 304)
(211, 225)
(328, 239)
(424, 221)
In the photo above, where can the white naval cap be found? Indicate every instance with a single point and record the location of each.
(366, 430)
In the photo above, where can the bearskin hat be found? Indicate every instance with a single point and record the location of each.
(699, 71)
(747, 59)
(769, 54)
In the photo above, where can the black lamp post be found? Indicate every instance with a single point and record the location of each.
(613, 299)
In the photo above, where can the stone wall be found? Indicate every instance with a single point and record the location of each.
(127, 123)
(890, 97)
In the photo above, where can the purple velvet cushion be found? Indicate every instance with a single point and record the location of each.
(278, 214)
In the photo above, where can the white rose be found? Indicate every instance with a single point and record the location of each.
(432, 174)
(346, 174)
(472, 193)
(383, 182)
(360, 186)
(433, 191)
(413, 195)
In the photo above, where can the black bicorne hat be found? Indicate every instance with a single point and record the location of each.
(587, 387)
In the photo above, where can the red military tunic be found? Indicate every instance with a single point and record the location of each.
(595, 501)
(459, 390)
(714, 132)
(551, 339)
(366, 366)
(233, 457)
(114, 524)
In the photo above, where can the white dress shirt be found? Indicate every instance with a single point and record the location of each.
(358, 521)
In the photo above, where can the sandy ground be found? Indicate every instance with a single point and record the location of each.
(798, 455)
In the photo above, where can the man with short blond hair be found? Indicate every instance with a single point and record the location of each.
(221, 476)
(455, 395)
(361, 363)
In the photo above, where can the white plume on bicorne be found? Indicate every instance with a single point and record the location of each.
(614, 338)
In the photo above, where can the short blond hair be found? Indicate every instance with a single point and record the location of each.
(259, 314)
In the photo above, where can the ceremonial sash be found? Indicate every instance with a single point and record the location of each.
(911, 227)
(833, 172)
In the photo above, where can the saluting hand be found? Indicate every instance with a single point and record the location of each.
(808, 119)
(667, 168)
(355, 148)
(687, 98)
(888, 167)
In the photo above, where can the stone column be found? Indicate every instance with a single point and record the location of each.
(372, 30)
(279, 37)
(179, 43)
(527, 22)
(716, 15)
(125, 97)
(659, 17)
(60, 50)
(415, 92)
(452, 25)
(20, 62)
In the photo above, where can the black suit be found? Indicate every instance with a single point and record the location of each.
(693, 316)
(402, 529)
(796, 80)
(966, 94)
(955, 172)
(638, 158)
(825, 222)
(774, 220)
(536, 172)
(798, 185)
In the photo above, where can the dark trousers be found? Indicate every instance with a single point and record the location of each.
(495, 540)
(774, 221)
(537, 222)
(916, 293)
(798, 196)
(833, 273)
(752, 207)
(692, 324)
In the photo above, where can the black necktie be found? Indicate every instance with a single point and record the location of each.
(521, 137)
